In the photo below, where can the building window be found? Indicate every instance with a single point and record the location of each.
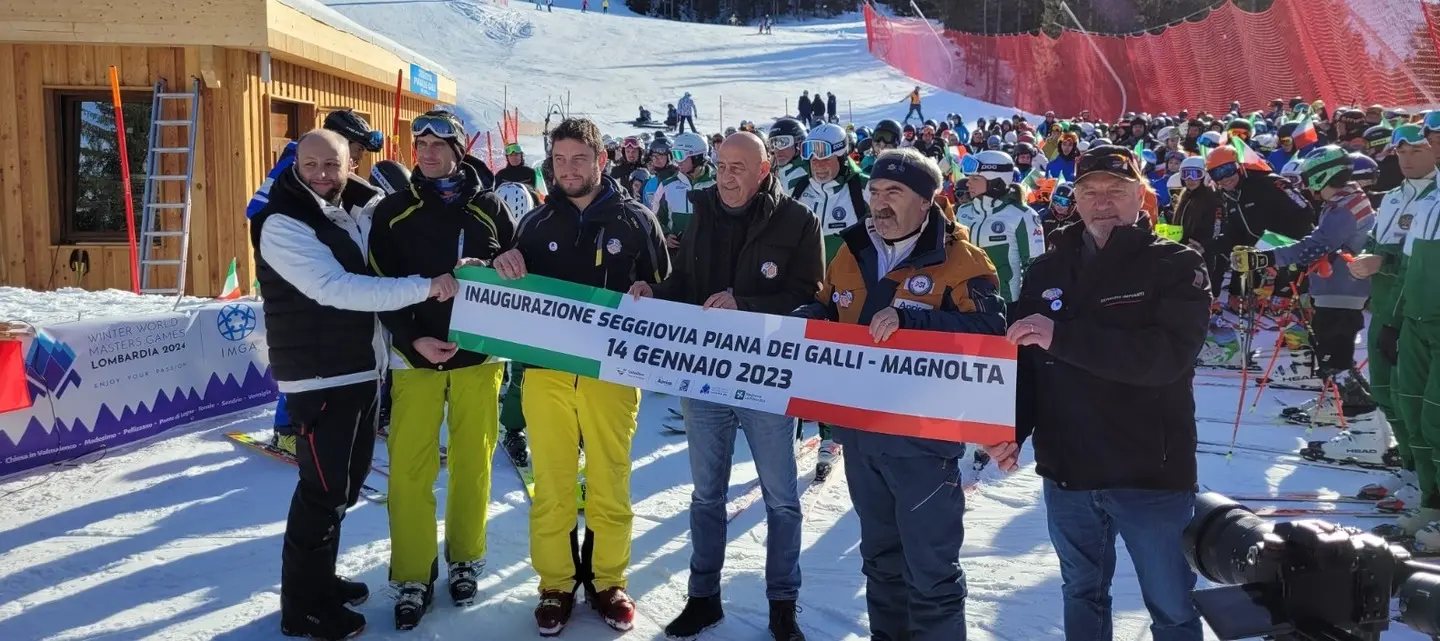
(92, 205)
(284, 127)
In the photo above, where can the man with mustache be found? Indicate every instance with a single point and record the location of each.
(327, 354)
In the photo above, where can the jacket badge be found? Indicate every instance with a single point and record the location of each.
(554, 246)
(838, 213)
(843, 299)
(998, 227)
(613, 246)
(919, 285)
(1051, 294)
(769, 270)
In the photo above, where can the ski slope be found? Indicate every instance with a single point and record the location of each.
(606, 66)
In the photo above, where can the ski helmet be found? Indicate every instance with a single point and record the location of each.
(1377, 136)
(1193, 162)
(1325, 166)
(788, 127)
(1065, 192)
(389, 176)
(1025, 149)
(836, 143)
(1363, 167)
(862, 134)
(355, 129)
(1210, 139)
(995, 165)
(610, 142)
(517, 198)
(1165, 134)
(1287, 130)
(660, 146)
(1082, 146)
(641, 174)
(730, 131)
(689, 145)
(1267, 142)
(993, 142)
(1221, 156)
(889, 127)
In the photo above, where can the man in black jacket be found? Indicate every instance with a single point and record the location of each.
(1110, 323)
(589, 232)
(327, 354)
(446, 216)
(752, 248)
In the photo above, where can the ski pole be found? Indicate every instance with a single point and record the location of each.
(1245, 345)
(1275, 355)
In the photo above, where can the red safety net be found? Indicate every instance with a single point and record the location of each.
(1345, 52)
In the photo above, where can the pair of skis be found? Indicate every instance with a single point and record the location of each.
(1323, 504)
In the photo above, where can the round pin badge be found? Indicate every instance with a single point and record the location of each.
(1055, 305)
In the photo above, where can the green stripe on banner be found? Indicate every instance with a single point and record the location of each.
(526, 354)
(543, 285)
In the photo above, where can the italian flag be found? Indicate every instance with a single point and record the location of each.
(1272, 240)
(1249, 158)
(231, 291)
(1305, 134)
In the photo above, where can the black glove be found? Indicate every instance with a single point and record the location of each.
(1390, 344)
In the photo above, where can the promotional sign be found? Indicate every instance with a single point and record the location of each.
(101, 383)
(952, 387)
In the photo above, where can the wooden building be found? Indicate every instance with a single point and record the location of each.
(268, 72)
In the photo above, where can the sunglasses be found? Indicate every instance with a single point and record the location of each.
(781, 142)
(513, 148)
(1192, 173)
(820, 150)
(440, 126)
(1224, 171)
(1062, 201)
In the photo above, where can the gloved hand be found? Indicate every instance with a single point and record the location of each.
(1390, 344)
(1248, 259)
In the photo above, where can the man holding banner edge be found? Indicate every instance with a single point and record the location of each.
(906, 268)
(589, 232)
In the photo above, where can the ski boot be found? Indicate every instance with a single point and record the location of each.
(515, 447)
(982, 459)
(1222, 350)
(1303, 414)
(1366, 443)
(829, 454)
(1427, 540)
(553, 613)
(1391, 484)
(462, 581)
(1295, 370)
(1407, 525)
(412, 601)
(1356, 402)
(283, 442)
(615, 607)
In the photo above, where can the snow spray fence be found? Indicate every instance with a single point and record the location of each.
(103, 383)
(1340, 51)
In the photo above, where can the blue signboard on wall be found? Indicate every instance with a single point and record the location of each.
(424, 82)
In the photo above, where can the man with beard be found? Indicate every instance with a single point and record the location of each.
(905, 267)
(446, 216)
(562, 410)
(752, 248)
(327, 353)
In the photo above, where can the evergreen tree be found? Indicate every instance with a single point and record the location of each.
(99, 205)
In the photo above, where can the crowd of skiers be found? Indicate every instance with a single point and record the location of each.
(1281, 203)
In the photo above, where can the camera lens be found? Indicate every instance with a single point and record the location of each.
(1419, 601)
(1219, 539)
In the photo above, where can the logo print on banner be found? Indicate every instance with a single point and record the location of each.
(685, 385)
(235, 322)
(50, 367)
(919, 285)
(769, 270)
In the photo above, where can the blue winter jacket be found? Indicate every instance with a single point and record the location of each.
(262, 196)
(1345, 224)
(1277, 159)
(1061, 167)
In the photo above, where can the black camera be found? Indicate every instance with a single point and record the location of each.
(1303, 580)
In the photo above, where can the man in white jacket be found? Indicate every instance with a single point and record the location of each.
(327, 354)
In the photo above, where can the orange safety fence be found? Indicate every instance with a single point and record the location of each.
(1345, 52)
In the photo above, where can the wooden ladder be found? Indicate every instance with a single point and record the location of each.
(154, 225)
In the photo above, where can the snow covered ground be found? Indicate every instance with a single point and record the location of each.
(72, 304)
(179, 538)
(609, 65)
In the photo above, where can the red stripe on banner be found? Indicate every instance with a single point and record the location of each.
(940, 429)
(14, 393)
(913, 340)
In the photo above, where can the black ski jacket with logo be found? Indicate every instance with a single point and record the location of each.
(1111, 405)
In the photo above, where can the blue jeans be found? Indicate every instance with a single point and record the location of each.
(1083, 526)
(710, 430)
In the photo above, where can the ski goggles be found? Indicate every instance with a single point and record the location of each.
(1432, 121)
(1286, 141)
(1410, 134)
(1061, 201)
(679, 155)
(782, 141)
(440, 124)
(374, 141)
(820, 150)
(513, 148)
(885, 137)
(630, 143)
(1240, 133)
(1221, 172)
(1192, 173)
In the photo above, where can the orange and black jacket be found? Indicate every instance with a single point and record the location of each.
(946, 284)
